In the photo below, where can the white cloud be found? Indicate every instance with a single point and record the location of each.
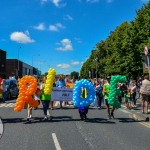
(63, 66)
(59, 25)
(56, 27)
(66, 45)
(53, 28)
(92, 1)
(68, 17)
(41, 27)
(75, 63)
(21, 37)
(58, 3)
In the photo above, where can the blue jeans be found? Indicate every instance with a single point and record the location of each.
(45, 104)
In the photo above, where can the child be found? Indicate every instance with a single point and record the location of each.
(83, 112)
(128, 98)
(36, 96)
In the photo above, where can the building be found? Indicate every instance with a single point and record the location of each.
(2, 63)
(19, 69)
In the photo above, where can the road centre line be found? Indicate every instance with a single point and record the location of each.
(57, 145)
(142, 123)
(145, 124)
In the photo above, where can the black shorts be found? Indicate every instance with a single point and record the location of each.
(145, 98)
(106, 100)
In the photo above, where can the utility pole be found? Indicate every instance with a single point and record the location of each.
(18, 61)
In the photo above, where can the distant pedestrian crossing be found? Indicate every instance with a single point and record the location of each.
(7, 105)
(10, 105)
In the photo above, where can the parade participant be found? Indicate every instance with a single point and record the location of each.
(145, 91)
(36, 96)
(83, 112)
(45, 99)
(61, 83)
(106, 89)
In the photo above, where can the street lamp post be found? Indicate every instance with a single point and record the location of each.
(33, 62)
(147, 56)
(96, 67)
(18, 61)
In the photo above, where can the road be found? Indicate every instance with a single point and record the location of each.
(67, 132)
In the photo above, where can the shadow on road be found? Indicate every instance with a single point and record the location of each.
(68, 118)
(127, 120)
(13, 120)
(99, 120)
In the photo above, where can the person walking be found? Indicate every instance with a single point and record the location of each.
(45, 99)
(145, 92)
(106, 89)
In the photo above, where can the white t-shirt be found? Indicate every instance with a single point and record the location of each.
(36, 98)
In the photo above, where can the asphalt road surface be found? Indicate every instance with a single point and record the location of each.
(67, 132)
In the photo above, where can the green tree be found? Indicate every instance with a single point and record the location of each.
(74, 75)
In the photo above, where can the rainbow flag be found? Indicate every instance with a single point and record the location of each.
(69, 85)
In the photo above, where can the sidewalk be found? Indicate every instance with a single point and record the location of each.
(136, 113)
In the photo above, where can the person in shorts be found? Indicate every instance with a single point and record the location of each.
(106, 89)
(145, 93)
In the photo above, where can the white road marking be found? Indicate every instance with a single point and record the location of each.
(2, 105)
(125, 111)
(10, 105)
(7, 105)
(1, 128)
(56, 141)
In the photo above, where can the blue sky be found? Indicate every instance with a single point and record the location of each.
(59, 33)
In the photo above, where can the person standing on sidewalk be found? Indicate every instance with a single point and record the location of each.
(61, 83)
(145, 91)
(99, 94)
(4, 91)
(133, 93)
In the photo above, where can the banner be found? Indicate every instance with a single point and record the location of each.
(62, 94)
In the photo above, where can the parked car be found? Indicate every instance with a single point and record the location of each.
(12, 88)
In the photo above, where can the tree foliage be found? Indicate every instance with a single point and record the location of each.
(121, 53)
(74, 75)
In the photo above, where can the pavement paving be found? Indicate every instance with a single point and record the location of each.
(137, 114)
